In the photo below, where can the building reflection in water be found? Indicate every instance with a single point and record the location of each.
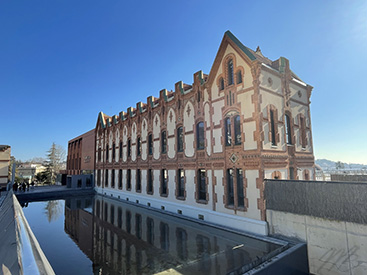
(121, 238)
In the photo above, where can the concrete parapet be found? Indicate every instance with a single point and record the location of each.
(20, 252)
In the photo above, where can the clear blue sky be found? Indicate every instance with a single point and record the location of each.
(63, 61)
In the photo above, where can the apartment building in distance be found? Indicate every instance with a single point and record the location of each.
(5, 153)
(80, 160)
(204, 149)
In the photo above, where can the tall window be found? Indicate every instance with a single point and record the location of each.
(106, 178)
(230, 72)
(138, 144)
(164, 142)
(138, 180)
(272, 127)
(107, 153)
(230, 189)
(227, 128)
(150, 182)
(128, 176)
(221, 84)
(200, 143)
(236, 121)
(201, 184)
(113, 152)
(164, 234)
(150, 144)
(302, 126)
(235, 196)
(237, 130)
(128, 148)
(288, 132)
(179, 139)
(239, 77)
(180, 183)
(120, 149)
(240, 191)
(164, 182)
(120, 179)
(99, 154)
(98, 177)
(113, 178)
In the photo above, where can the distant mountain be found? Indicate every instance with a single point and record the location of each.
(326, 164)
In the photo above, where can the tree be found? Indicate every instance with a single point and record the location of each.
(55, 157)
(339, 165)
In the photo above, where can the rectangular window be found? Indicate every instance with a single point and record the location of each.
(113, 152)
(107, 153)
(113, 178)
(288, 133)
(120, 149)
(79, 183)
(164, 142)
(200, 141)
(180, 183)
(237, 130)
(138, 180)
(128, 176)
(150, 182)
(98, 177)
(227, 129)
(179, 139)
(164, 182)
(240, 193)
(138, 146)
(150, 144)
(230, 189)
(303, 131)
(120, 179)
(128, 148)
(106, 178)
(138, 227)
(272, 126)
(201, 184)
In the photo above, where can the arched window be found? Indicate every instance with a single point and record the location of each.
(228, 132)
(239, 77)
(200, 142)
(230, 72)
(288, 131)
(179, 139)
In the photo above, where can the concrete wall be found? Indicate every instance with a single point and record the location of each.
(329, 216)
(20, 252)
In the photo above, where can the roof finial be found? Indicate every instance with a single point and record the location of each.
(258, 51)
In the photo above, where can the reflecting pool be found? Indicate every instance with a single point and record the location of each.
(100, 235)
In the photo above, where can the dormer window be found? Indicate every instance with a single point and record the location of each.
(230, 72)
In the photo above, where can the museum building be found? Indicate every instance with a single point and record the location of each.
(204, 150)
